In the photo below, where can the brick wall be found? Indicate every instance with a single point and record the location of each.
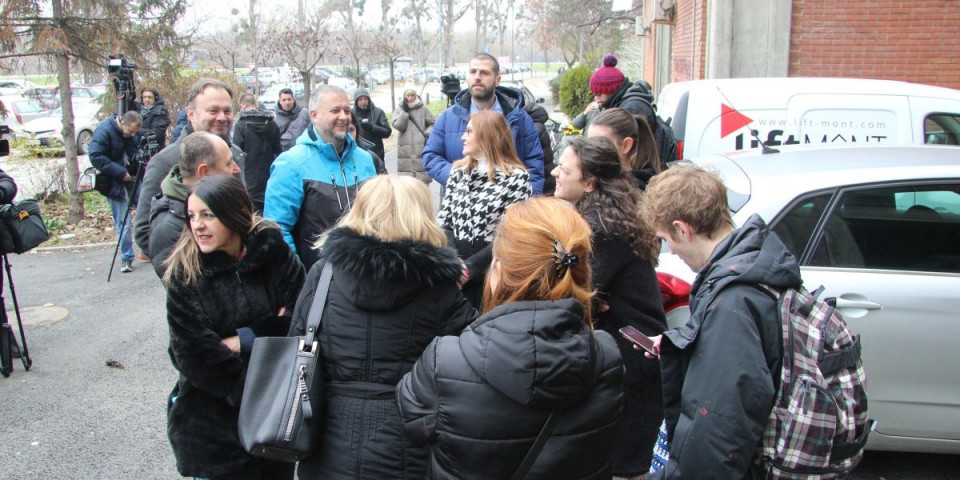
(685, 29)
(911, 40)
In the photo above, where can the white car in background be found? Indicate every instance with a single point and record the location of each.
(44, 133)
(879, 227)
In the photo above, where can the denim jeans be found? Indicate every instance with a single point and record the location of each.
(119, 209)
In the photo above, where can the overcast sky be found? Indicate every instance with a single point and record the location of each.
(214, 15)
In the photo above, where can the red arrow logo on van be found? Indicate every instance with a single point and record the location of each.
(731, 120)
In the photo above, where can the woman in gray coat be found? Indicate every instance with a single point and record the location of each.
(413, 120)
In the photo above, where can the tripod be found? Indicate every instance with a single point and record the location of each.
(126, 215)
(7, 337)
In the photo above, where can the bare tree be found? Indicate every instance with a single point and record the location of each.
(449, 12)
(418, 11)
(301, 45)
(84, 32)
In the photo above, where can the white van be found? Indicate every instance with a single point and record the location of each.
(726, 115)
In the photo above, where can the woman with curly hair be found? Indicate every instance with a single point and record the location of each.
(481, 186)
(634, 141)
(591, 176)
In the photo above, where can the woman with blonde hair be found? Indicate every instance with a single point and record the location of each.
(481, 186)
(394, 289)
(230, 279)
(531, 363)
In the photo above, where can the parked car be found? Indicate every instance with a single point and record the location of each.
(427, 75)
(49, 97)
(20, 110)
(878, 227)
(44, 135)
(379, 76)
(13, 87)
(725, 115)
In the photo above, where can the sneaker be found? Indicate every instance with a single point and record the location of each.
(142, 257)
(126, 266)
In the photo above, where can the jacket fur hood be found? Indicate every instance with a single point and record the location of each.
(540, 354)
(380, 275)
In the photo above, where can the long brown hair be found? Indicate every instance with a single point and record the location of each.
(493, 135)
(228, 200)
(615, 199)
(524, 249)
(623, 124)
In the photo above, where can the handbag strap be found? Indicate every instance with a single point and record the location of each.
(418, 126)
(319, 303)
(537, 445)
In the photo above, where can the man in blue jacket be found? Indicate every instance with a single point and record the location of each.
(112, 148)
(483, 92)
(314, 183)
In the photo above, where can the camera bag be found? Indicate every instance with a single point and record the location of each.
(21, 227)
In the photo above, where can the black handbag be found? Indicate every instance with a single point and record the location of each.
(21, 227)
(282, 406)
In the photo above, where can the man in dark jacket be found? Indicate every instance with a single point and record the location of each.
(291, 119)
(8, 188)
(719, 368)
(258, 136)
(540, 117)
(444, 146)
(373, 122)
(201, 154)
(155, 116)
(112, 149)
(209, 109)
(611, 89)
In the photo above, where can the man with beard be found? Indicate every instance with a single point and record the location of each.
(373, 122)
(314, 183)
(444, 146)
(291, 119)
(209, 109)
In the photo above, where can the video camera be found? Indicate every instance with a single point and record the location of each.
(149, 146)
(122, 71)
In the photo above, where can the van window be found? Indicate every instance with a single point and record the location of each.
(942, 129)
(908, 227)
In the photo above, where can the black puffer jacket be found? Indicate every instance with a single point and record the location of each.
(232, 297)
(8, 188)
(386, 302)
(257, 135)
(157, 118)
(481, 399)
(540, 117)
(718, 368)
(291, 124)
(373, 122)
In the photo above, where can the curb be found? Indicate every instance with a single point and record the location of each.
(73, 247)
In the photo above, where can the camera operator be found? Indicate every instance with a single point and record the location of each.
(153, 109)
(8, 188)
(113, 150)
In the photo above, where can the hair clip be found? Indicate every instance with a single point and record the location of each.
(563, 259)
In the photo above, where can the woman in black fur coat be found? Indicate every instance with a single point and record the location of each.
(230, 279)
(394, 288)
(591, 175)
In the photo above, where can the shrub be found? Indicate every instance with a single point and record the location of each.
(575, 91)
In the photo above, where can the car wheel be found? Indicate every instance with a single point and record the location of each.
(83, 141)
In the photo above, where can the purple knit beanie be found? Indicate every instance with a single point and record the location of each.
(607, 79)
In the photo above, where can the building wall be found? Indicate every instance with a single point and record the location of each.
(911, 40)
(690, 25)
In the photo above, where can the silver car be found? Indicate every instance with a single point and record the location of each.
(879, 227)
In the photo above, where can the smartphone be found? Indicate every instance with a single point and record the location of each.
(638, 338)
